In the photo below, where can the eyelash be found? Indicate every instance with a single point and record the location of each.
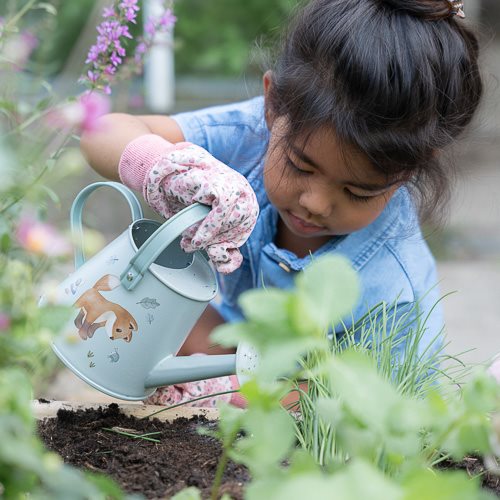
(355, 197)
(351, 195)
(296, 169)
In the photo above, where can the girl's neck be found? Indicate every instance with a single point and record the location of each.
(301, 247)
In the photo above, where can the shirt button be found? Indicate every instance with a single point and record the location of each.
(284, 267)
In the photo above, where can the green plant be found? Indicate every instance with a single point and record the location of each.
(384, 435)
(37, 150)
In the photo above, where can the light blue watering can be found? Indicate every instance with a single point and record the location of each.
(135, 303)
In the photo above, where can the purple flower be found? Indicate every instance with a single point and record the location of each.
(150, 27)
(168, 19)
(109, 70)
(129, 4)
(129, 9)
(115, 60)
(140, 48)
(92, 76)
(108, 54)
(108, 12)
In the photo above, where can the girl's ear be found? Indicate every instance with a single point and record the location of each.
(267, 81)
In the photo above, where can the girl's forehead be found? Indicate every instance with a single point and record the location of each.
(323, 150)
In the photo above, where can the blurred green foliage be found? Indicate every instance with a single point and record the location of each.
(64, 29)
(217, 36)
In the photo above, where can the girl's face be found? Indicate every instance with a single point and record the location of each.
(316, 191)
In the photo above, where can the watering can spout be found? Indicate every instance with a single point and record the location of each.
(180, 369)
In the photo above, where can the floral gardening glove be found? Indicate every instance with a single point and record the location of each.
(174, 176)
(186, 393)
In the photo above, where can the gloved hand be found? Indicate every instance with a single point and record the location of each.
(184, 393)
(173, 176)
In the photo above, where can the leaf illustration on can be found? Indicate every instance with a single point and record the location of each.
(148, 303)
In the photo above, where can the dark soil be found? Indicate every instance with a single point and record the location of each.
(474, 466)
(182, 458)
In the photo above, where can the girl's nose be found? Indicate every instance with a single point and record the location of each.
(317, 204)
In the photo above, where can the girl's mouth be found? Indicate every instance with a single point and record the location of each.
(302, 226)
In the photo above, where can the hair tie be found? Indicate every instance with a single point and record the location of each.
(457, 8)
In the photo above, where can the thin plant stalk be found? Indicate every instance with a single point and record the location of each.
(380, 333)
(221, 466)
(145, 437)
(189, 401)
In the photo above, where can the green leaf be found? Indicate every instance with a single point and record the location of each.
(5, 243)
(47, 7)
(267, 305)
(230, 423)
(270, 439)
(281, 359)
(231, 334)
(264, 396)
(329, 289)
(469, 435)
(354, 378)
(435, 485)
(191, 493)
(481, 393)
(302, 462)
(358, 480)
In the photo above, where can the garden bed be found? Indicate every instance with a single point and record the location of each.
(80, 435)
(177, 456)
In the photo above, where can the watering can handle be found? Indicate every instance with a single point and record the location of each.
(160, 240)
(77, 209)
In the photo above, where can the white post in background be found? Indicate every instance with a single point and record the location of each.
(159, 78)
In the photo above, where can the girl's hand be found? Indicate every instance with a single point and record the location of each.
(182, 174)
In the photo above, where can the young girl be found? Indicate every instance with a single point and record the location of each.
(340, 151)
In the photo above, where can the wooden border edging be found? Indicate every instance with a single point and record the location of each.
(50, 409)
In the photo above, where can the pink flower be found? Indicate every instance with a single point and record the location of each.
(83, 113)
(41, 238)
(17, 48)
(94, 106)
(4, 321)
(494, 369)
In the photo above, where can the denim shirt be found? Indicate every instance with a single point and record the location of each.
(390, 255)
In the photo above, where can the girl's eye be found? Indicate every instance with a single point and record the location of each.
(356, 197)
(296, 169)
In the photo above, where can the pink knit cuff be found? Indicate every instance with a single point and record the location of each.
(138, 157)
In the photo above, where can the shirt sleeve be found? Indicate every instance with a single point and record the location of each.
(236, 134)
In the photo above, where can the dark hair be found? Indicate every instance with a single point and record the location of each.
(397, 80)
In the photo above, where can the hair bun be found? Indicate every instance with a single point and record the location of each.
(432, 10)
